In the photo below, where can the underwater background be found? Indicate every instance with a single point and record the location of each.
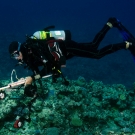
(100, 89)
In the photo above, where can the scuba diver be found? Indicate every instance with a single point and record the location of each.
(51, 49)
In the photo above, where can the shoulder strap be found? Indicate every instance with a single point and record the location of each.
(56, 52)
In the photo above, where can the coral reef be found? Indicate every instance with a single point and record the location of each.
(82, 108)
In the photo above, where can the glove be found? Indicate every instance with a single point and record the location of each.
(36, 77)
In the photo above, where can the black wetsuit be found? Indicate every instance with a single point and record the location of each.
(90, 50)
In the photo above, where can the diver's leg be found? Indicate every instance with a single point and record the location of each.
(99, 36)
(85, 50)
(112, 22)
(110, 49)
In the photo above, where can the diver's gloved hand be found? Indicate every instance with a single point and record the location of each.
(36, 77)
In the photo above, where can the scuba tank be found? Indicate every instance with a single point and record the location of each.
(57, 34)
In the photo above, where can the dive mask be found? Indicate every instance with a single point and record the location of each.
(15, 55)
